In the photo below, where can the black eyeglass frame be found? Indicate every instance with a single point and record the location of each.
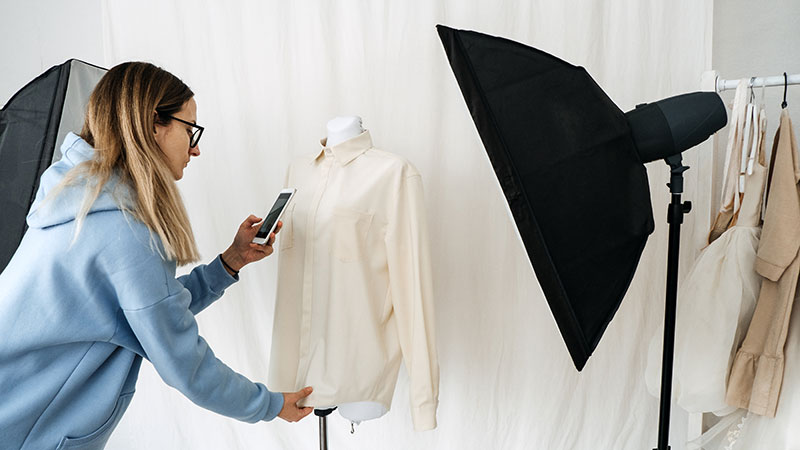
(195, 138)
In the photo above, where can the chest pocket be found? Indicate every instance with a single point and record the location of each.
(286, 235)
(350, 229)
(98, 438)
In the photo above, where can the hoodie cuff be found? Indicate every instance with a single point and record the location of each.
(221, 277)
(275, 406)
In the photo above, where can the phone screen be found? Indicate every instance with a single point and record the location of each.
(272, 217)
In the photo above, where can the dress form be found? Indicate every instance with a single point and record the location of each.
(340, 129)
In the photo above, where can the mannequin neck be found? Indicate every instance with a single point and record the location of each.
(343, 128)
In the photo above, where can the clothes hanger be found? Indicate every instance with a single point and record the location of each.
(759, 124)
(785, 86)
(749, 133)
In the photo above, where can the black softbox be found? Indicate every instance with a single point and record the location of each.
(565, 159)
(32, 126)
(571, 166)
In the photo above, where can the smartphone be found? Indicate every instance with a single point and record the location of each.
(271, 221)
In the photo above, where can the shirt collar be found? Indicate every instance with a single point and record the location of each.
(346, 151)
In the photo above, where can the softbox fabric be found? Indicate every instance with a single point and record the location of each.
(565, 159)
(32, 125)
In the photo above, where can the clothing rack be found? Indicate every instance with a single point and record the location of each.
(724, 85)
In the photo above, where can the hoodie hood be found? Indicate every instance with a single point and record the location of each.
(67, 203)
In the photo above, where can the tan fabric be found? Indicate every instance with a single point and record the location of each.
(757, 372)
(354, 282)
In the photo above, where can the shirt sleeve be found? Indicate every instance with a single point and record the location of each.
(412, 299)
(157, 308)
(780, 236)
(206, 283)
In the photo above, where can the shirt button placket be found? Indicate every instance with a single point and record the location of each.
(305, 327)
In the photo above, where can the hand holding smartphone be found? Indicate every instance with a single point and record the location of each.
(275, 213)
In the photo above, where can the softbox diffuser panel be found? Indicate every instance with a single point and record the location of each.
(32, 125)
(566, 162)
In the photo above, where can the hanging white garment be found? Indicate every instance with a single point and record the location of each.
(718, 295)
(725, 434)
(730, 201)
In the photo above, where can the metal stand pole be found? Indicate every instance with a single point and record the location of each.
(675, 214)
(323, 426)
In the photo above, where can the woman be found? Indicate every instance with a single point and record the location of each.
(92, 288)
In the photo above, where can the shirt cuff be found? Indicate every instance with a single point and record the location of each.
(424, 417)
(768, 270)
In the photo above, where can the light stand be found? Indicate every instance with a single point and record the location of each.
(675, 213)
(573, 124)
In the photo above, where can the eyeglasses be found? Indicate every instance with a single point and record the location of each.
(195, 135)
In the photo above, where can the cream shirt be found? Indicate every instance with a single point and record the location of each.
(354, 282)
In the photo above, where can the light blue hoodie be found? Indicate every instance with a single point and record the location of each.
(76, 320)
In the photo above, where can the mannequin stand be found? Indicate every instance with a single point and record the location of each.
(675, 213)
(323, 426)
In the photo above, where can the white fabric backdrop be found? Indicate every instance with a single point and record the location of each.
(269, 74)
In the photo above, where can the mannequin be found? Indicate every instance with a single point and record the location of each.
(354, 293)
(354, 299)
(340, 129)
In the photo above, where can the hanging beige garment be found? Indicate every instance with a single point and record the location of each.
(731, 197)
(757, 371)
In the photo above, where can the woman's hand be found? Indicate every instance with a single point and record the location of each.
(243, 251)
(291, 412)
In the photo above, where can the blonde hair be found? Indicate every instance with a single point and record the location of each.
(119, 125)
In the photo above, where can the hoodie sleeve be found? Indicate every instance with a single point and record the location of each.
(158, 309)
(206, 283)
